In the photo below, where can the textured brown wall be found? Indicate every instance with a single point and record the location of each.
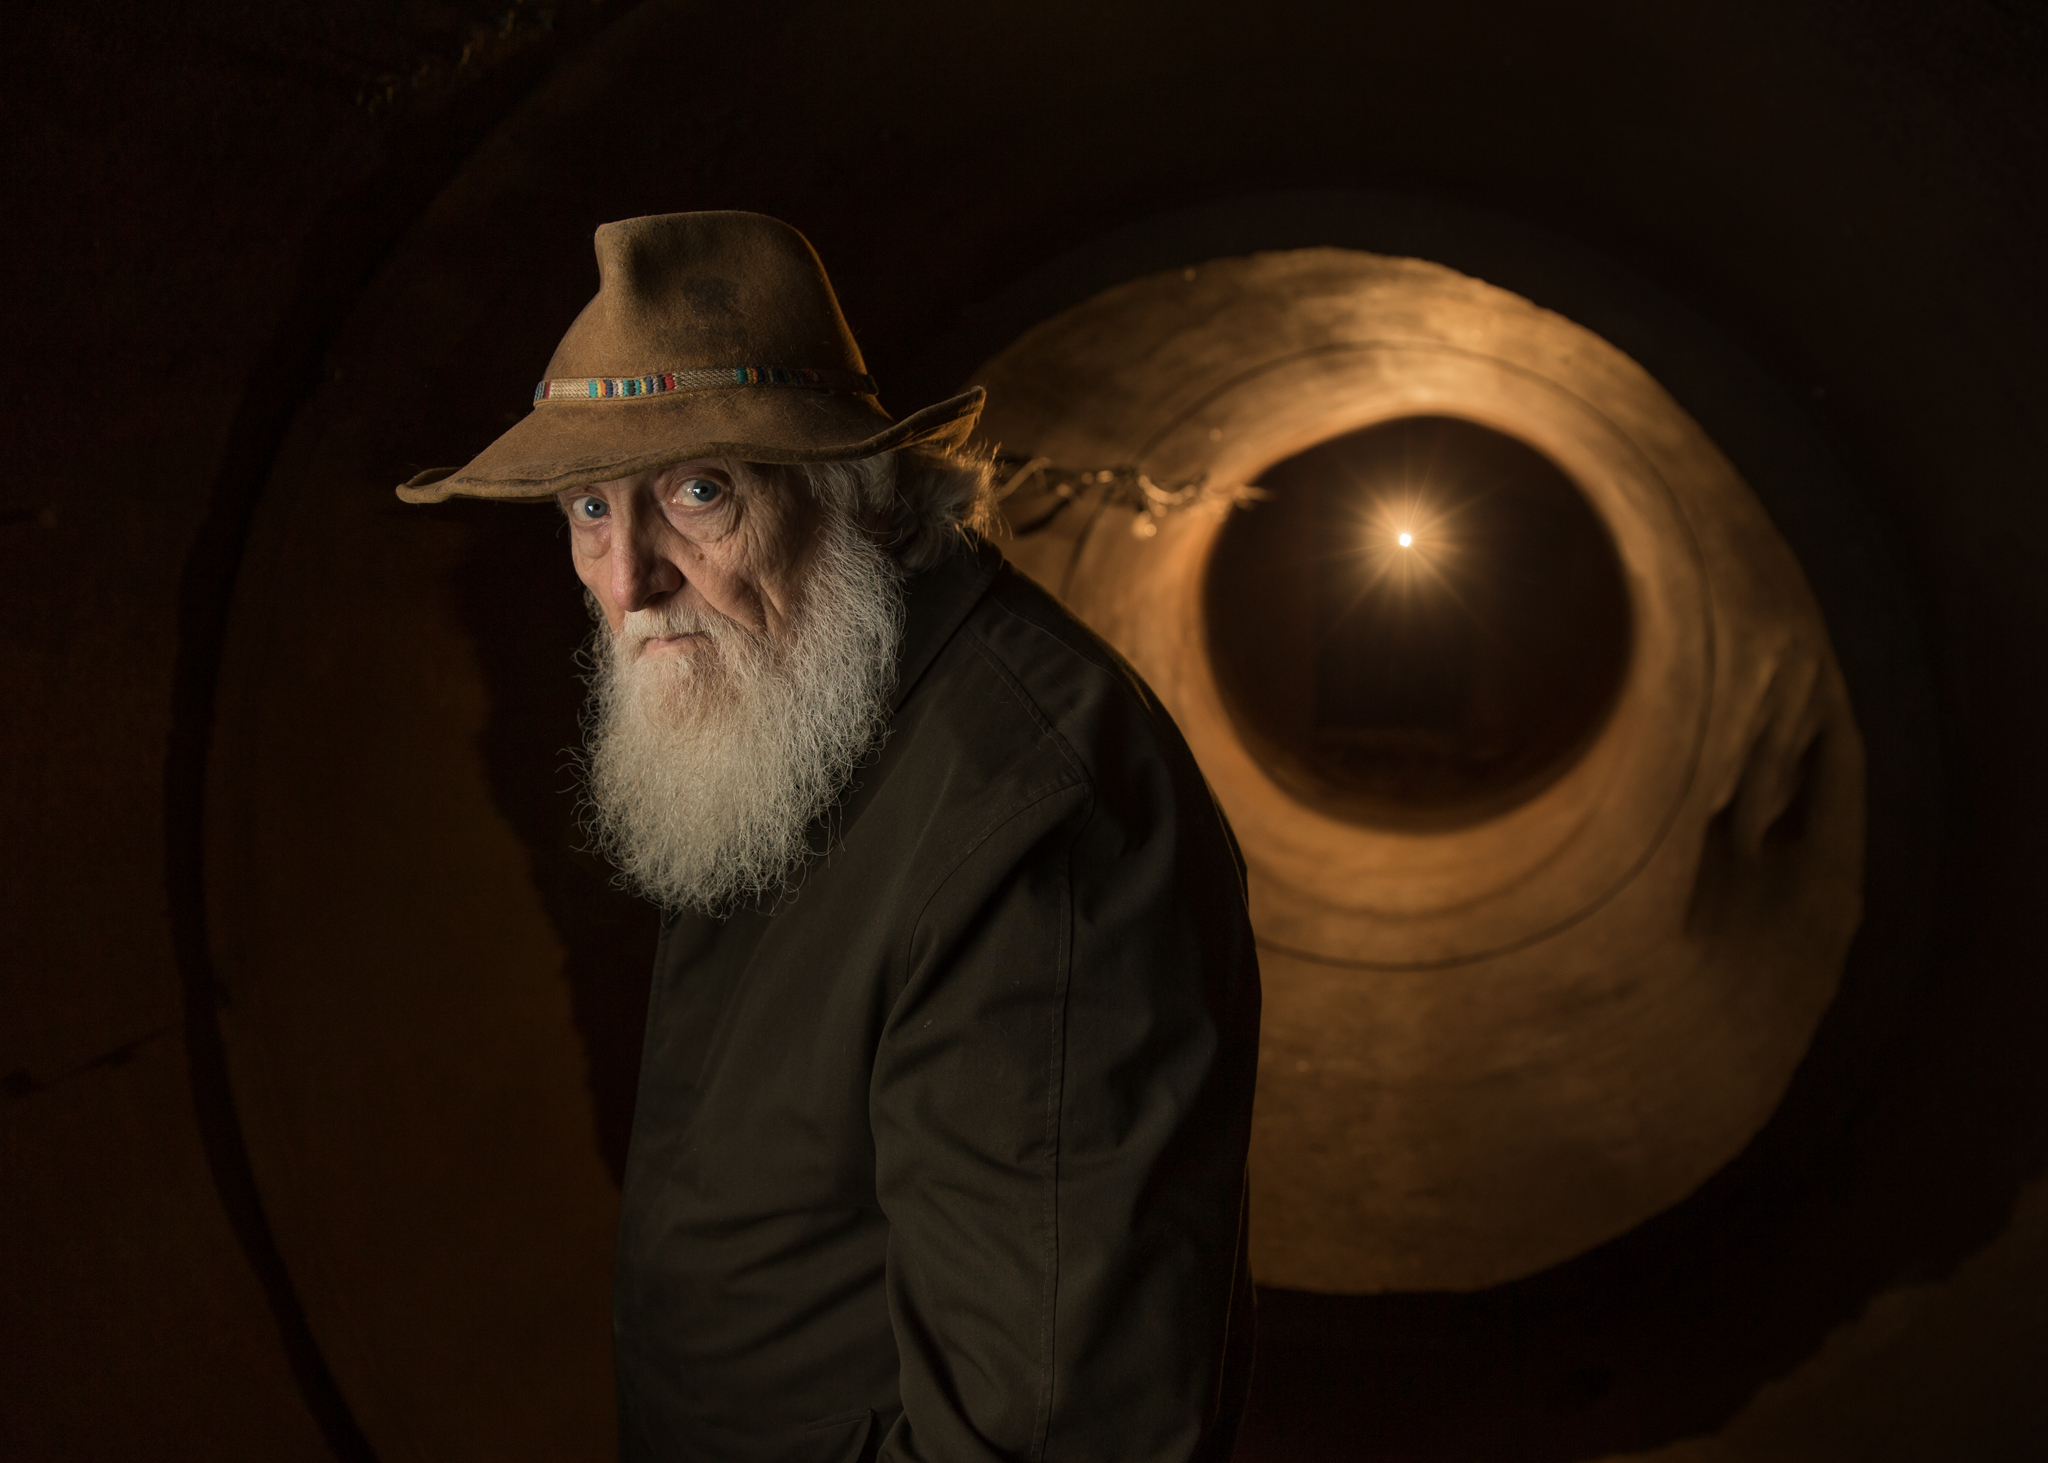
(196, 197)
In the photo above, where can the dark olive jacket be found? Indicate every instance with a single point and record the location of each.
(942, 1156)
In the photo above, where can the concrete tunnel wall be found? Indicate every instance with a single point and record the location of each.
(1490, 1042)
(186, 1272)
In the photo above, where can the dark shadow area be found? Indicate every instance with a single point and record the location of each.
(523, 608)
(355, 233)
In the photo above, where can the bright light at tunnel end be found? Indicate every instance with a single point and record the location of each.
(1404, 541)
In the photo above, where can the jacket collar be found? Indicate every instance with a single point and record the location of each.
(936, 601)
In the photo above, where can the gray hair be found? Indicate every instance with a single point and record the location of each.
(933, 497)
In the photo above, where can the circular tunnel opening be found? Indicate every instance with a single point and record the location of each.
(1422, 624)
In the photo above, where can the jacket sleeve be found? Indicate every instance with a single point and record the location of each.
(1061, 1110)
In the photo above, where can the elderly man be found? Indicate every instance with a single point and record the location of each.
(940, 1143)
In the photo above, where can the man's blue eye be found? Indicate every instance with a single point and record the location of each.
(702, 490)
(590, 508)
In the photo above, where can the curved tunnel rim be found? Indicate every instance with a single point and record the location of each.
(1650, 474)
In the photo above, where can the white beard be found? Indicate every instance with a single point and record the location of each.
(705, 771)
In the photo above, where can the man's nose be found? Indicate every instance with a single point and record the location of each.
(642, 575)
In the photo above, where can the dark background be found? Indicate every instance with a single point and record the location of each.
(197, 195)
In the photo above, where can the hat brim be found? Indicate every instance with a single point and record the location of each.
(570, 443)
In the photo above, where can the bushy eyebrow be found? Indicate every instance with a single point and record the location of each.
(727, 476)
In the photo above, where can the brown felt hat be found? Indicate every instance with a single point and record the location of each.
(712, 335)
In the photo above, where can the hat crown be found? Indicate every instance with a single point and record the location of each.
(711, 335)
(683, 291)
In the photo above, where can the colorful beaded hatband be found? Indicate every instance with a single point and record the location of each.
(599, 388)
